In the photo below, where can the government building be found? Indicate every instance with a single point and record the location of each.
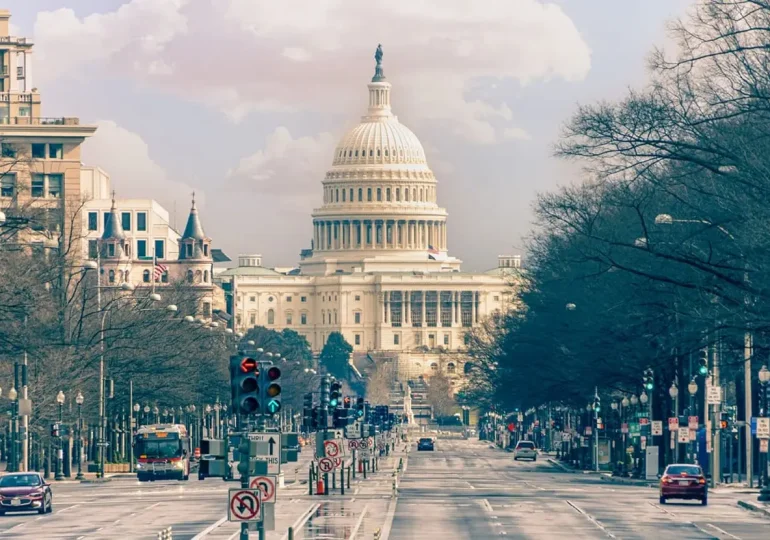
(378, 270)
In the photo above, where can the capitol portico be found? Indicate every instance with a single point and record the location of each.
(378, 269)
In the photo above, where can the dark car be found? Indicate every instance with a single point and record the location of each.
(425, 444)
(25, 492)
(682, 481)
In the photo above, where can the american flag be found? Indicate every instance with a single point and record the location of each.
(160, 269)
(432, 250)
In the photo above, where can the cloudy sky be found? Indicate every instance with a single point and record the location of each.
(243, 101)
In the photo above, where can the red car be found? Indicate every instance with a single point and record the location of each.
(24, 492)
(682, 481)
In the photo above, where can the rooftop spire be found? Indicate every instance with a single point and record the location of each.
(379, 75)
(112, 227)
(194, 229)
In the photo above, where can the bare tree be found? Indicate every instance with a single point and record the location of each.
(380, 382)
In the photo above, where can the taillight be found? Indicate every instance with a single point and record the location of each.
(666, 479)
(701, 480)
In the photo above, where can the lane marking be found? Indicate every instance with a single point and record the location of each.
(297, 524)
(722, 531)
(389, 519)
(358, 523)
(487, 506)
(590, 518)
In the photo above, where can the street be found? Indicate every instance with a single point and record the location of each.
(464, 489)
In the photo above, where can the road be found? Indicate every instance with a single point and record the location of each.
(462, 490)
(465, 489)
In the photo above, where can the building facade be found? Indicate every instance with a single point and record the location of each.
(40, 166)
(378, 270)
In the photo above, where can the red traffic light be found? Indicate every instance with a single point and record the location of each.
(248, 364)
(346, 402)
(273, 373)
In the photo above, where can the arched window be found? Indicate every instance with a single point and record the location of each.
(414, 194)
(146, 276)
(422, 195)
(323, 317)
(379, 154)
(351, 194)
(434, 367)
(289, 318)
(369, 194)
(270, 316)
(205, 276)
(387, 194)
(343, 195)
(406, 194)
(360, 194)
(371, 153)
(335, 316)
(189, 276)
(379, 194)
(198, 276)
(111, 276)
(450, 367)
(164, 277)
(398, 194)
(336, 195)
(386, 152)
(120, 276)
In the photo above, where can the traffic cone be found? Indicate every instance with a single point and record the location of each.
(319, 487)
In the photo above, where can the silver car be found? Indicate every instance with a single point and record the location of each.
(525, 450)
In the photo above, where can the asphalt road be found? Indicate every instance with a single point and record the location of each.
(464, 489)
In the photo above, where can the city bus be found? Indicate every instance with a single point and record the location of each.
(162, 452)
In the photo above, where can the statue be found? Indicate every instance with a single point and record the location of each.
(379, 75)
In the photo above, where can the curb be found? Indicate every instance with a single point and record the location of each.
(561, 466)
(615, 480)
(753, 507)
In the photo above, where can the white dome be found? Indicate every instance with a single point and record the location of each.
(379, 142)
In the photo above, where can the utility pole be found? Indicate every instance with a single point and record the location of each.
(748, 345)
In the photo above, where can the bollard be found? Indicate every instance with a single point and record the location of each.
(364, 463)
(395, 485)
(326, 483)
(319, 487)
(349, 471)
(342, 480)
(291, 533)
(310, 480)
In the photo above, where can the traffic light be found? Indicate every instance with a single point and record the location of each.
(340, 417)
(315, 419)
(244, 381)
(597, 404)
(346, 402)
(55, 430)
(307, 410)
(334, 398)
(649, 379)
(270, 390)
(325, 392)
(703, 361)
(360, 412)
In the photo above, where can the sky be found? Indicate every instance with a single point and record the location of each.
(244, 101)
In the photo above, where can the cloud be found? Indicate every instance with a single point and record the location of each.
(288, 170)
(134, 174)
(516, 133)
(435, 52)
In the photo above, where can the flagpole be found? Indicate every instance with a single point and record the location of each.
(154, 264)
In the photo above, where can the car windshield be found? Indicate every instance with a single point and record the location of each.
(526, 444)
(159, 449)
(19, 480)
(684, 469)
(426, 441)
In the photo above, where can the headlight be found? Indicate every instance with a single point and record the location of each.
(179, 464)
(140, 465)
(38, 493)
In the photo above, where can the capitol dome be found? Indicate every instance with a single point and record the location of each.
(379, 194)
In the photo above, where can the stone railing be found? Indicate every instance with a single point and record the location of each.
(39, 121)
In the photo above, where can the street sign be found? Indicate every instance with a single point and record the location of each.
(333, 448)
(266, 485)
(683, 435)
(353, 431)
(624, 428)
(643, 442)
(763, 428)
(588, 431)
(337, 462)
(353, 444)
(268, 449)
(763, 443)
(25, 407)
(643, 421)
(692, 422)
(693, 435)
(244, 505)
(714, 395)
(325, 465)
(657, 427)
(673, 423)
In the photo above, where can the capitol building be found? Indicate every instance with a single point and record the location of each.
(378, 270)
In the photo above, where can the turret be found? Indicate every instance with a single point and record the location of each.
(194, 244)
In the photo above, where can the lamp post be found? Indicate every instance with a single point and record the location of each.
(674, 393)
(156, 413)
(12, 395)
(60, 458)
(764, 379)
(146, 414)
(613, 451)
(692, 389)
(79, 400)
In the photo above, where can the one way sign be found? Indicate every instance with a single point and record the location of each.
(268, 449)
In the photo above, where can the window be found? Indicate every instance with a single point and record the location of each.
(288, 298)
(387, 194)
(358, 339)
(125, 221)
(357, 317)
(38, 185)
(38, 150)
(146, 276)
(54, 185)
(343, 195)
(164, 277)
(8, 150)
(8, 185)
(252, 299)
(55, 151)
(396, 339)
(269, 298)
(358, 298)
(303, 318)
(398, 194)
(434, 367)
(289, 318)
(417, 338)
(496, 298)
(360, 194)
(111, 274)
(323, 317)
(110, 249)
(446, 339)
(270, 316)
(379, 194)
(160, 249)
(335, 316)
(141, 221)
(205, 276)
(141, 248)
(93, 221)
(369, 194)
(450, 367)
(252, 319)
(190, 276)
(303, 299)
(93, 248)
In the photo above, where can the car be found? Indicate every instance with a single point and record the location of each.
(525, 450)
(683, 481)
(27, 491)
(426, 443)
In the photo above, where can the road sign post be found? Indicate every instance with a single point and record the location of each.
(244, 507)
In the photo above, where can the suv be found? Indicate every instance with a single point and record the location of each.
(525, 450)
(425, 444)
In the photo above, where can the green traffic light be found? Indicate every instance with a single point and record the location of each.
(704, 370)
(649, 386)
(333, 402)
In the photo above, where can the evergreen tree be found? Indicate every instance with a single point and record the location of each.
(335, 355)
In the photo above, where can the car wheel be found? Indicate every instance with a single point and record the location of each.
(515, 459)
(704, 501)
(662, 500)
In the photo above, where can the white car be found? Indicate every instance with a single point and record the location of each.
(525, 450)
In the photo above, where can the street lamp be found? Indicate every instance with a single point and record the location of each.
(625, 402)
(643, 398)
(764, 379)
(79, 400)
(12, 395)
(60, 458)
(137, 408)
(156, 412)
(146, 414)
(692, 389)
(673, 391)
(634, 400)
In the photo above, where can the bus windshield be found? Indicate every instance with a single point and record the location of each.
(159, 449)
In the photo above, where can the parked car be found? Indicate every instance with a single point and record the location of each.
(426, 443)
(525, 450)
(26, 491)
(683, 481)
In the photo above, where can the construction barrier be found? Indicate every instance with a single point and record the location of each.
(165, 534)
